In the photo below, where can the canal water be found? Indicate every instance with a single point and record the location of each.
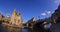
(4, 28)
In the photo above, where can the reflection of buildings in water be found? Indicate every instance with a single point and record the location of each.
(13, 29)
(9, 29)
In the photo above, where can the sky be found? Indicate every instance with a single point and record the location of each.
(29, 8)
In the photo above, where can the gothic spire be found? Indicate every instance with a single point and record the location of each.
(7, 13)
(19, 13)
(14, 11)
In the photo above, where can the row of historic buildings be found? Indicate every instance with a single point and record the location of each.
(15, 19)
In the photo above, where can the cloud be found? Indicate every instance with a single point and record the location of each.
(43, 14)
(48, 12)
(56, 1)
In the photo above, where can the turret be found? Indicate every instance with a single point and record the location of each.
(14, 12)
(0, 16)
(6, 14)
(18, 13)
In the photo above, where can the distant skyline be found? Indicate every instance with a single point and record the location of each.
(29, 8)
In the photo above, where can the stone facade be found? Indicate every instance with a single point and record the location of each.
(56, 14)
(33, 20)
(0, 16)
(16, 18)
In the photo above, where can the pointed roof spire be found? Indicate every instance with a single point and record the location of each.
(34, 19)
(7, 13)
(19, 12)
(14, 10)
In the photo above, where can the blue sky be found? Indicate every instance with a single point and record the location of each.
(29, 8)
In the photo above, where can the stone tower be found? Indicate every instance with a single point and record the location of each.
(0, 16)
(16, 18)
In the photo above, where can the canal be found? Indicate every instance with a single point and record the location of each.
(4, 28)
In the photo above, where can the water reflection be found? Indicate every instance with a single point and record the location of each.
(26, 30)
(4, 28)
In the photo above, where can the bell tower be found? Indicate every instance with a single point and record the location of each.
(16, 18)
(13, 20)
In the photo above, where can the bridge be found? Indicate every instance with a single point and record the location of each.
(30, 23)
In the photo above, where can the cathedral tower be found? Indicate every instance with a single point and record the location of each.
(16, 18)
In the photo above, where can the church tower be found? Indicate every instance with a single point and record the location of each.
(0, 16)
(19, 19)
(13, 17)
(16, 18)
